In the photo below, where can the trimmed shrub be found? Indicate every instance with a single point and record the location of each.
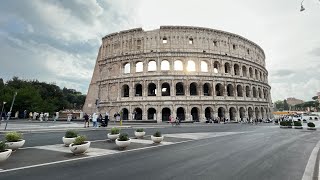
(283, 123)
(139, 130)
(3, 146)
(157, 134)
(79, 140)
(13, 136)
(311, 124)
(115, 130)
(297, 123)
(71, 134)
(123, 137)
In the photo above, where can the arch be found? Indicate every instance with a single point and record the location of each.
(137, 114)
(216, 67)
(236, 69)
(178, 65)
(166, 113)
(262, 113)
(138, 88)
(239, 91)
(250, 72)
(152, 114)
(193, 89)
(230, 91)
(139, 67)
(165, 89)
(257, 112)
(233, 114)
(242, 113)
(244, 71)
(265, 94)
(126, 68)
(204, 66)
(206, 89)
(227, 68)
(219, 89)
(250, 113)
(261, 76)
(191, 66)
(125, 114)
(165, 65)
(152, 65)
(152, 89)
(247, 91)
(256, 74)
(254, 92)
(260, 93)
(195, 114)
(179, 89)
(221, 113)
(181, 113)
(125, 90)
(208, 113)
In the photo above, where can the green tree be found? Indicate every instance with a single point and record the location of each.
(285, 105)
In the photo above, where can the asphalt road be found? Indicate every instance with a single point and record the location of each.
(261, 152)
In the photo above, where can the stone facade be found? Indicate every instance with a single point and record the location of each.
(188, 72)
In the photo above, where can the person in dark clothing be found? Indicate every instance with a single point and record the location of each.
(106, 119)
(86, 120)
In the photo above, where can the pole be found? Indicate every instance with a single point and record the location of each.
(9, 113)
(3, 103)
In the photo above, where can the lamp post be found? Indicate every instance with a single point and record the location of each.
(9, 113)
(3, 103)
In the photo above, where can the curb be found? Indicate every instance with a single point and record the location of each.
(311, 171)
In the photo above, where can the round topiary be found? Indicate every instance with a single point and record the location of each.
(140, 130)
(13, 136)
(157, 134)
(115, 130)
(71, 134)
(311, 124)
(123, 137)
(80, 140)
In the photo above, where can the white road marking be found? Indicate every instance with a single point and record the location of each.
(310, 168)
(201, 135)
(145, 141)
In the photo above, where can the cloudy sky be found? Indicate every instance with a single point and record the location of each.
(57, 41)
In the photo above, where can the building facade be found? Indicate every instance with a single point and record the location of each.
(192, 73)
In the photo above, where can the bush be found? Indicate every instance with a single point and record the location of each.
(157, 134)
(115, 130)
(139, 130)
(297, 123)
(283, 123)
(71, 134)
(123, 137)
(79, 140)
(289, 123)
(13, 136)
(3, 146)
(311, 124)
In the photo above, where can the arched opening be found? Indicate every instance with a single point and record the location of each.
(262, 113)
(125, 91)
(166, 112)
(139, 67)
(242, 113)
(247, 91)
(265, 94)
(219, 89)
(256, 74)
(261, 76)
(230, 90)
(152, 114)
(257, 113)
(195, 114)
(250, 113)
(165, 89)
(125, 114)
(206, 89)
(193, 89)
(138, 90)
(137, 114)
(179, 89)
(233, 114)
(221, 113)
(204, 66)
(165, 65)
(208, 113)
(181, 114)
(226, 68)
(254, 92)
(236, 69)
(239, 91)
(191, 66)
(126, 68)
(178, 65)
(250, 72)
(244, 71)
(216, 67)
(152, 66)
(260, 93)
(152, 89)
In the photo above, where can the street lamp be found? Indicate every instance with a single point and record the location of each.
(3, 103)
(9, 113)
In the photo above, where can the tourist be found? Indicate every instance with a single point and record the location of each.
(41, 116)
(94, 120)
(106, 119)
(24, 114)
(86, 120)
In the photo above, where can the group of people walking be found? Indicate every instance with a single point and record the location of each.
(95, 118)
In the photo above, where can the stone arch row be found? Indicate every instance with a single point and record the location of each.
(190, 65)
(195, 89)
(222, 113)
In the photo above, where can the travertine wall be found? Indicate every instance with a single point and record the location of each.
(231, 83)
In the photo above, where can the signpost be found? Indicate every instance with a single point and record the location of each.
(9, 113)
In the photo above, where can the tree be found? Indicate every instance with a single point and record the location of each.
(315, 98)
(285, 105)
(279, 105)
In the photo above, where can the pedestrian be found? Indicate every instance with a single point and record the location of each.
(24, 114)
(86, 120)
(56, 117)
(41, 116)
(94, 120)
(106, 119)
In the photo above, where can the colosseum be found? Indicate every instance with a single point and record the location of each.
(192, 73)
